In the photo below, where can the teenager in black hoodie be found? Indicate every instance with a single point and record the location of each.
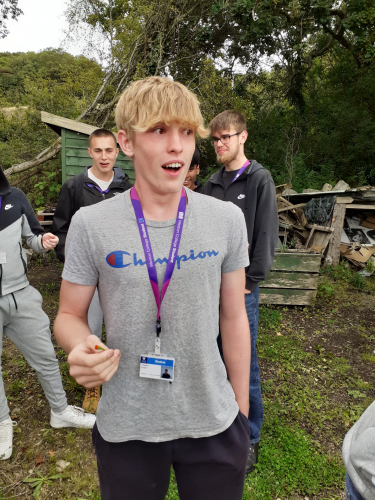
(97, 183)
(249, 186)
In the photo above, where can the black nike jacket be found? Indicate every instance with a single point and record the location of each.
(254, 193)
(70, 201)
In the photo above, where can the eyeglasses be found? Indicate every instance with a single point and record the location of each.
(224, 138)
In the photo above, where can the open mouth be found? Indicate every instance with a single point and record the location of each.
(173, 167)
(104, 165)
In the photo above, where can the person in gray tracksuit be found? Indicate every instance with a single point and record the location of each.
(358, 452)
(22, 318)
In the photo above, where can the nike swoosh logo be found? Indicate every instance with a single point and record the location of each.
(240, 197)
(7, 207)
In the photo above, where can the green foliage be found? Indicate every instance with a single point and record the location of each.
(343, 273)
(92, 495)
(16, 386)
(269, 319)
(320, 87)
(340, 272)
(52, 81)
(41, 187)
(358, 281)
(38, 482)
(325, 289)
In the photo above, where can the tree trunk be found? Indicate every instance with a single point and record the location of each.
(42, 157)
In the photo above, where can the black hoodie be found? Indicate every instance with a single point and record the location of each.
(69, 203)
(254, 193)
(198, 187)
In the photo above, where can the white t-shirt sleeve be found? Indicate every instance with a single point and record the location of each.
(237, 256)
(79, 267)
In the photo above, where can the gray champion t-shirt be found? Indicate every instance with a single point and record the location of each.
(103, 247)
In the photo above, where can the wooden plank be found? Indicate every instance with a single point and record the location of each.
(320, 228)
(287, 296)
(63, 156)
(78, 162)
(77, 152)
(319, 240)
(122, 156)
(301, 217)
(361, 207)
(72, 134)
(277, 279)
(296, 262)
(291, 207)
(310, 235)
(344, 199)
(77, 142)
(285, 225)
(333, 253)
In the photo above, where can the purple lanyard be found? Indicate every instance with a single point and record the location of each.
(1, 198)
(148, 250)
(98, 188)
(240, 171)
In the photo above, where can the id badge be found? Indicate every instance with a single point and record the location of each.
(3, 257)
(157, 367)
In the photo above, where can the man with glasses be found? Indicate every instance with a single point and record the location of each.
(249, 186)
(191, 177)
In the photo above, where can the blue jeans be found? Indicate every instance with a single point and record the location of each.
(350, 492)
(256, 403)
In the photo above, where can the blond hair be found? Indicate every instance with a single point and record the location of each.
(226, 119)
(154, 100)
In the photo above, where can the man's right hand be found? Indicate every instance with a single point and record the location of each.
(91, 367)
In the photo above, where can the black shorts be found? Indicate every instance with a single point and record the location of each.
(210, 468)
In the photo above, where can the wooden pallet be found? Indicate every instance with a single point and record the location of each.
(293, 279)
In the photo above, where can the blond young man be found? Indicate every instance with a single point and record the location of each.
(194, 421)
(249, 186)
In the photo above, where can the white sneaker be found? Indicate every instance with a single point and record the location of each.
(6, 438)
(72, 417)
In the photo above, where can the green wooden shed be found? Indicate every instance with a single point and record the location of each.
(74, 144)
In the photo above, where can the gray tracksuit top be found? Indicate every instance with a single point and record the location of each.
(358, 452)
(17, 221)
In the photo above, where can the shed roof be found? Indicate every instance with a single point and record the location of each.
(56, 123)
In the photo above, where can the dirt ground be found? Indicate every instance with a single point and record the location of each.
(318, 375)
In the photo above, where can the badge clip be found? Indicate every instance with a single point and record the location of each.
(157, 340)
(157, 346)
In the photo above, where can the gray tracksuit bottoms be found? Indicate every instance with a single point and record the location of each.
(24, 322)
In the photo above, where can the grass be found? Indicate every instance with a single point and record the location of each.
(290, 464)
(318, 376)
